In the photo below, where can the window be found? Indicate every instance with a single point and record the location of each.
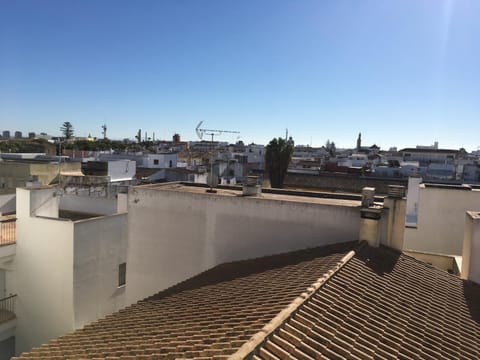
(170, 163)
(155, 162)
(122, 274)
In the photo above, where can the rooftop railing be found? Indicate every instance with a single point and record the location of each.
(7, 308)
(7, 231)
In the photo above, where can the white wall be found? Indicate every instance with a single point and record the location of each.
(471, 247)
(121, 170)
(44, 270)
(441, 220)
(100, 245)
(175, 235)
(163, 160)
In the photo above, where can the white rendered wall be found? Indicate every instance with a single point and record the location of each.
(44, 270)
(121, 170)
(441, 220)
(163, 160)
(100, 246)
(471, 248)
(175, 235)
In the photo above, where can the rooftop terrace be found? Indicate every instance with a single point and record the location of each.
(323, 198)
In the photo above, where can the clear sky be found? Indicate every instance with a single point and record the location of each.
(403, 72)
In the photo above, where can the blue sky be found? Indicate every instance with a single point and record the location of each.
(401, 72)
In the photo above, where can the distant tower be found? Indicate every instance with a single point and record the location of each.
(359, 141)
(139, 136)
(176, 138)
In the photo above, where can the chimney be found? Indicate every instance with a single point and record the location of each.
(368, 196)
(371, 222)
(471, 247)
(396, 204)
(251, 187)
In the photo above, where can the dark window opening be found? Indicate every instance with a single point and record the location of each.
(122, 274)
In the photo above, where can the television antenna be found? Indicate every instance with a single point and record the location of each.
(212, 132)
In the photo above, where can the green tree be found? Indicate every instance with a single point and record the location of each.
(277, 157)
(331, 148)
(67, 130)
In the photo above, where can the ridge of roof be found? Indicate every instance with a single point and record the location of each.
(383, 304)
(250, 346)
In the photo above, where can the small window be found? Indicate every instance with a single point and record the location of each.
(155, 162)
(170, 163)
(122, 274)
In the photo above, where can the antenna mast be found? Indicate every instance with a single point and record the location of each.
(212, 132)
(104, 131)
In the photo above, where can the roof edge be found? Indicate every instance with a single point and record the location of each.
(249, 347)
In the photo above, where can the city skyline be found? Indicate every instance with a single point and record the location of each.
(402, 74)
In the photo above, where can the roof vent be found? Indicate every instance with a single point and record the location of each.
(251, 187)
(368, 196)
(396, 191)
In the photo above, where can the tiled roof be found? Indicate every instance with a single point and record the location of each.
(383, 305)
(371, 304)
(207, 317)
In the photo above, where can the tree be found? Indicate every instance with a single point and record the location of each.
(330, 147)
(277, 157)
(67, 130)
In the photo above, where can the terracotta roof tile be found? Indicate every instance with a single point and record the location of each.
(378, 304)
(209, 316)
(383, 305)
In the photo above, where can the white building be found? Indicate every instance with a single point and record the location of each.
(436, 217)
(354, 160)
(201, 230)
(70, 262)
(150, 161)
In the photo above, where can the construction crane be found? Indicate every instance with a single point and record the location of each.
(212, 132)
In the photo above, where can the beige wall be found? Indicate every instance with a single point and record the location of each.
(12, 175)
(441, 220)
(44, 271)
(443, 262)
(48, 172)
(175, 235)
(16, 174)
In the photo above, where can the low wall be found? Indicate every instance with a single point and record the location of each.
(345, 183)
(174, 235)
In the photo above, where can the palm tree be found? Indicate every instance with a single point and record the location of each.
(277, 157)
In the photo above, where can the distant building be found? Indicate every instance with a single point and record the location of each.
(6, 134)
(426, 156)
(18, 134)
